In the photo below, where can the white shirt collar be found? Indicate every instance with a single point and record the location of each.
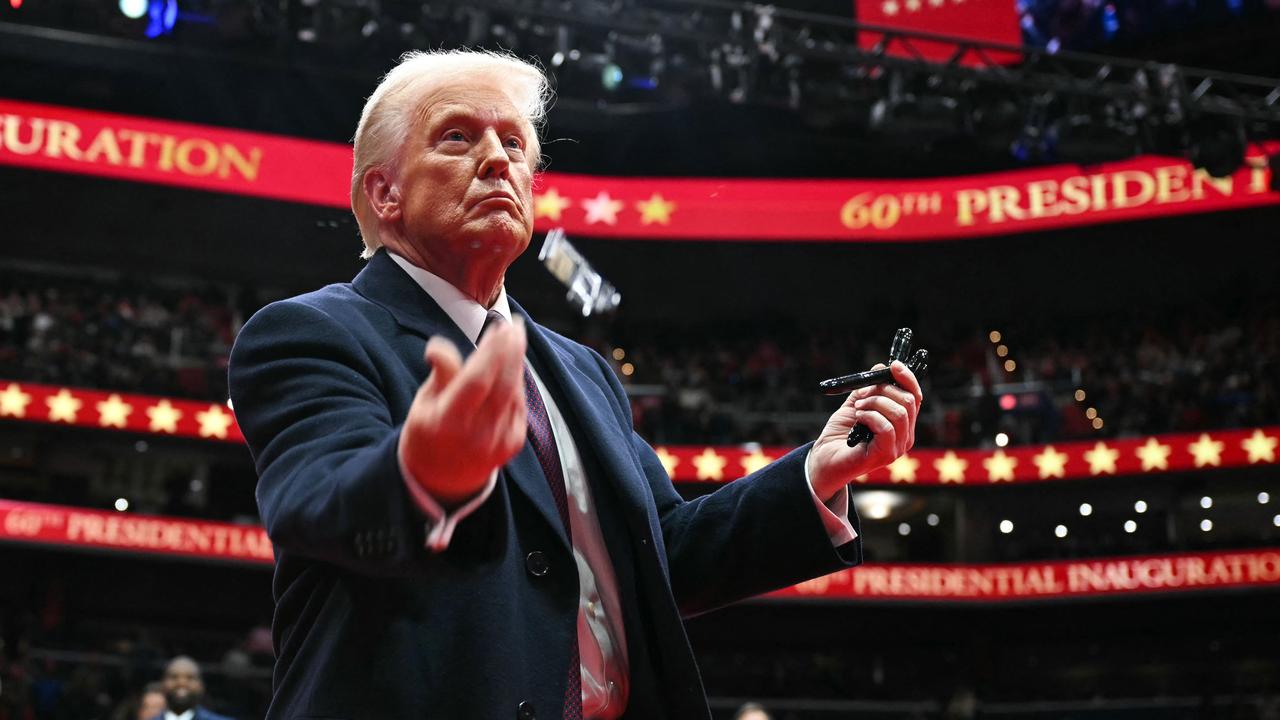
(188, 715)
(464, 311)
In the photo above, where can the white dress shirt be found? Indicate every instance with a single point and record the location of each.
(602, 645)
(188, 715)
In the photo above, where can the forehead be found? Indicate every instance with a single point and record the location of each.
(476, 98)
(182, 668)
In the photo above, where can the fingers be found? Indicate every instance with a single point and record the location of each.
(886, 433)
(445, 361)
(907, 380)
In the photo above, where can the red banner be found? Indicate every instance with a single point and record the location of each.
(987, 21)
(33, 402)
(61, 526)
(127, 532)
(118, 411)
(208, 158)
(1060, 579)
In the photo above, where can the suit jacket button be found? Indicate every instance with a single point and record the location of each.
(525, 711)
(536, 563)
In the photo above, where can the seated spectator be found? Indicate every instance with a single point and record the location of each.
(183, 692)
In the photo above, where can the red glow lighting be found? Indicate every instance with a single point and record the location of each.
(15, 4)
(1008, 402)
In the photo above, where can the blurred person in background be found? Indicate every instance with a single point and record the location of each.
(184, 691)
(151, 704)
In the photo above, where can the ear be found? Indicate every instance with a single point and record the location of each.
(383, 194)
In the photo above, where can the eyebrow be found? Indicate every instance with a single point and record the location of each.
(461, 115)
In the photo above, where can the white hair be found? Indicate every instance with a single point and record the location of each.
(390, 112)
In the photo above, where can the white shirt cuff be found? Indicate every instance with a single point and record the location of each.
(440, 525)
(834, 512)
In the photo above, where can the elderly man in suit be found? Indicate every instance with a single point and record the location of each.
(465, 523)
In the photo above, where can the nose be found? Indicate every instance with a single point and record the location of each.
(494, 163)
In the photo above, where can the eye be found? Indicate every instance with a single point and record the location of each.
(454, 136)
(515, 143)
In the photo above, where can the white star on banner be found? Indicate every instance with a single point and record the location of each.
(602, 208)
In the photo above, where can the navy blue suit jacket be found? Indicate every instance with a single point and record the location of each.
(201, 714)
(369, 624)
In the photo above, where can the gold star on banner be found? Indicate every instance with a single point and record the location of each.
(655, 209)
(1102, 459)
(668, 461)
(602, 208)
(164, 417)
(14, 402)
(214, 422)
(951, 467)
(710, 465)
(904, 469)
(1051, 463)
(937, 3)
(890, 7)
(1260, 447)
(1206, 450)
(912, 5)
(114, 412)
(550, 204)
(1153, 455)
(755, 461)
(63, 406)
(1000, 466)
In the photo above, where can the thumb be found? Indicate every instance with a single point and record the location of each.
(442, 355)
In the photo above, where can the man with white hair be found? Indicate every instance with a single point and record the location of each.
(465, 523)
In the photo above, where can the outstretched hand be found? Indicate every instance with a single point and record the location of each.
(887, 410)
(468, 418)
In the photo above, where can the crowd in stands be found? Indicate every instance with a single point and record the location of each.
(1210, 366)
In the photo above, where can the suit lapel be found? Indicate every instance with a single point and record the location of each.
(590, 408)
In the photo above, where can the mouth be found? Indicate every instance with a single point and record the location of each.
(497, 198)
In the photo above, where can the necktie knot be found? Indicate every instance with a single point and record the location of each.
(491, 320)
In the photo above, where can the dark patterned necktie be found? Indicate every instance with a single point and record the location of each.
(544, 446)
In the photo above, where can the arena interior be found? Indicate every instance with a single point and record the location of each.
(1071, 203)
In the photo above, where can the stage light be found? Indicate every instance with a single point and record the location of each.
(1080, 396)
(1002, 440)
(628, 369)
(1276, 521)
(1006, 526)
(1086, 509)
(1130, 526)
(994, 336)
(15, 4)
(1206, 502)
(1140, 506)
(619, 354)
(122, 504)
(1002, 350)
(933, 519)
(1010, 366)
(904, 529)
(1008, 402)
(1097, 423)
(1060, 531)
(1264, 497)
(877, 504)
(133, 9)
(1091, 413)
(162, 16)
(611, 77)
(1206, 525)
(141, 446)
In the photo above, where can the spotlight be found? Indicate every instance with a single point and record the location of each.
(1060, 531)
(1006, 526)
(933, 519)
(1140, 506)
(1206, 525)
(122, 504)
(133, 9)
(611, 77)
(1002, 440)
(1130, 526)
(1086, 509)
(162, 15)
(1206, 502)
(1264, 497)
(904, 529)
